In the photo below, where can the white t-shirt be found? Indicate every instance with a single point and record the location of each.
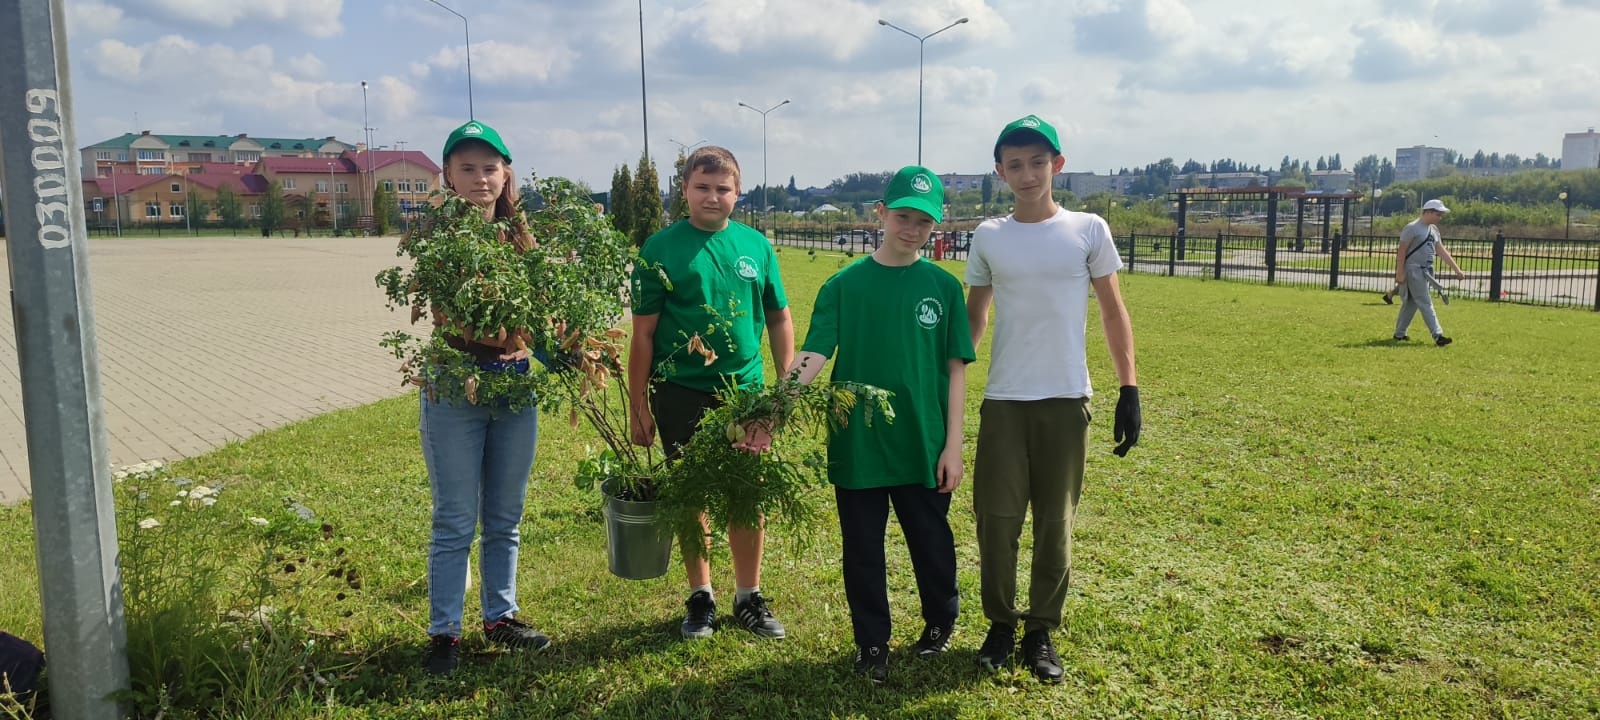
(1041, 275)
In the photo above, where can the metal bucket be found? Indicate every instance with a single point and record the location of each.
(637, 546)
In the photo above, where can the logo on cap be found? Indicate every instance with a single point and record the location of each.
(1030, 121)
(929, 311)
(920, 184)
(472, 129)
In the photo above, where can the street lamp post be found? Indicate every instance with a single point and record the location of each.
(687, 148)
(366, 132)
(187, 193)
(644, 97)
(763, 114)
(1566, 199)
(333, 201)
(468, 30)
(1372, 210)
(405, 211)
(921, 41)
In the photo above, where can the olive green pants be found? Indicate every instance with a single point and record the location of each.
(1029, 453)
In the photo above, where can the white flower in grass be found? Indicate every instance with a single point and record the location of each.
(201, 491)
(149, 524)
(175, 503)
(183, 493)
(119, 475)
(208, 502)
(259, 521)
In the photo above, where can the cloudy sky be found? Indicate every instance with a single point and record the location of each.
(1126, 81)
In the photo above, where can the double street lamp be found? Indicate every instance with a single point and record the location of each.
(921, 41)
(763, 114)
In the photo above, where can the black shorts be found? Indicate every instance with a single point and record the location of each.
(678, 411)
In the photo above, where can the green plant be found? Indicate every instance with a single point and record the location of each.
(564, 288)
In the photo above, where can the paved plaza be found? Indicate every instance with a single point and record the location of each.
(206, 340)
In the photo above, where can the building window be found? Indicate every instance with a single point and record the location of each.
(199, 157)
(288, 183)
(176, 188)
(322, 186)
(388, 186)
(405, 186)
(246, 157)
(122, 156)
(343, 187)
(175, 210)
(152, 210)
(420, 186)
(102, 154)
(152, 171)
(255, 210)
(152, 154)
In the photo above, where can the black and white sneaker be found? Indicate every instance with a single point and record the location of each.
(443, 656)
(1041, 656)
(873, 662)
(514, 633)
(754, 615)
(935, 639)
(1442, 341)
(997, 647)
(700, 620)
(1402, 338)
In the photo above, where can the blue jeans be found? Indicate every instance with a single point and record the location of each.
(478, 468)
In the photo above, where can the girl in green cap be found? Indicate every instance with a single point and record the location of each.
(478, 456)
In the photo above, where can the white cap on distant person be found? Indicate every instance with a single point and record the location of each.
(1435, 206)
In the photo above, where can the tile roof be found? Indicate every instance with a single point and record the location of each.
(214, 168)
(127, 182)
(384, 158)
(280, 165)
(239, 184)
(125, 141)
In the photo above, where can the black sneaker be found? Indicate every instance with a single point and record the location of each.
(511, 632)
(1388, 299)
(1402, 338)
(754, 615)
(701, 617)
(1442, 341)
(444, 654)
(997, 647)
(935, 639)
(873, 662)
(1041, 656)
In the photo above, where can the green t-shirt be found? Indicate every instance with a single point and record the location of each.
(733, 271)
(896, 328)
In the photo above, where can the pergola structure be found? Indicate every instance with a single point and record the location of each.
(1271, 196)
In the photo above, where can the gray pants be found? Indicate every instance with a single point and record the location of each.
(1415, 297)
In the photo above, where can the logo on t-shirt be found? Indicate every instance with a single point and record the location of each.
(921, 184)
(747, 268)
(929, 312)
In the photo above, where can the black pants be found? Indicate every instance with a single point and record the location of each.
(924, 517)
(678, 411)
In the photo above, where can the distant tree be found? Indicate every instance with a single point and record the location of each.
(622, 200)
(385, 209)
(678, 205)
(229, 209)
(793, 191)
(1385, 173)
(1322, 164)
(1366, 169)
(1335, 163)
(988, 191)
(196, 208)
(646, 198)
(272, 208)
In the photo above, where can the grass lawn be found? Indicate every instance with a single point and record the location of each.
(1515, 262)
(1317, 523)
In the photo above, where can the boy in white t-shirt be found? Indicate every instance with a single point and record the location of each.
(1037, 267)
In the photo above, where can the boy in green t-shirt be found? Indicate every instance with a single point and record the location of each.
(731, 269)
(898, 322)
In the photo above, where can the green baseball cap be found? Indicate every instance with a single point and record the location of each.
(916, 187)
(1030, 124)
(474, 130)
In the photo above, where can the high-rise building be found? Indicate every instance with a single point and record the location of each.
(1416, 163)
(1580, 151)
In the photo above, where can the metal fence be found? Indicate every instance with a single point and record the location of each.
(1533, 271)
(856, 240)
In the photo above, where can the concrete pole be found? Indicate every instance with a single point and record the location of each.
(73, 517)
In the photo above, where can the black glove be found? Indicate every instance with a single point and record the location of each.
(1125, 428)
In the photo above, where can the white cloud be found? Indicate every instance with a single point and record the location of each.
(505, 63)
(317, 18)
(306, 67)
(91, 17)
